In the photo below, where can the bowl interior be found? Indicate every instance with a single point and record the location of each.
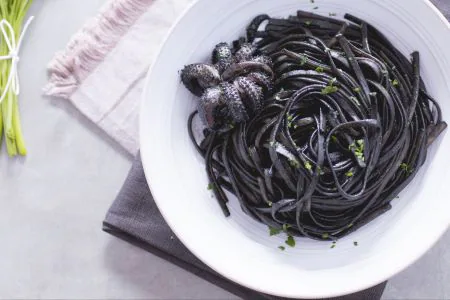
(240, 248)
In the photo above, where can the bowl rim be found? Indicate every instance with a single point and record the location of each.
(145, 158)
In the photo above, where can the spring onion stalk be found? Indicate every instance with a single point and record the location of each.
(12, 15)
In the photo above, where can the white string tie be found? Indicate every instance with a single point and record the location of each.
(8, 36)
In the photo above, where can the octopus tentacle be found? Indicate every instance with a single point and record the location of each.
(232, 89)
(209, 107)
(245, 52)
(264, 60)
(261, 80)
(244, 68)
(198, 77)
(234, 102)
(222, 56)
(252, 95)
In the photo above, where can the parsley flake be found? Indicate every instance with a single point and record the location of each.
(316, 7)
(307, 23)
(355, 243)
(395, 82)
(407, 168)
(303, 60)
(274, 231)
(325, 236)
(290, 241)
(357, 90)
(332, 14)
(282, 248)
(270, 203)
(360, 144)
(294, 163)
(308, 165)
(329, 90)
(286, 227)
(349, 174)
(333, 246)
(319, 69)
(357, 150)
(211, 187)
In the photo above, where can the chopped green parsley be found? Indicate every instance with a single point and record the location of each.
(274, 231)
(303, 60)
(290, 241)
(319, 69)
(329, 90)
(308, 165)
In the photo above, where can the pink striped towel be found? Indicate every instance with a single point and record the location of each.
(102, 69)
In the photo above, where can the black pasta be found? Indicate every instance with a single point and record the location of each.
(346, 129)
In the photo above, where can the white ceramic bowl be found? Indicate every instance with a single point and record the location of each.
(238, 247)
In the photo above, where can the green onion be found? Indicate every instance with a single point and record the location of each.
(14, 12)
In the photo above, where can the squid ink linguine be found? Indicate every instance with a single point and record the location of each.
(314, 124)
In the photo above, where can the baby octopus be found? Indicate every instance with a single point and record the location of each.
(232, 88)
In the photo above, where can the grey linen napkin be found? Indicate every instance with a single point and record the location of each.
(134, 217)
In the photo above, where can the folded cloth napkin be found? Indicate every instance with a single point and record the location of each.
(102, 72)
(134, 217)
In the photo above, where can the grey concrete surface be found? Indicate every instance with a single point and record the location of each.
(53, 202)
